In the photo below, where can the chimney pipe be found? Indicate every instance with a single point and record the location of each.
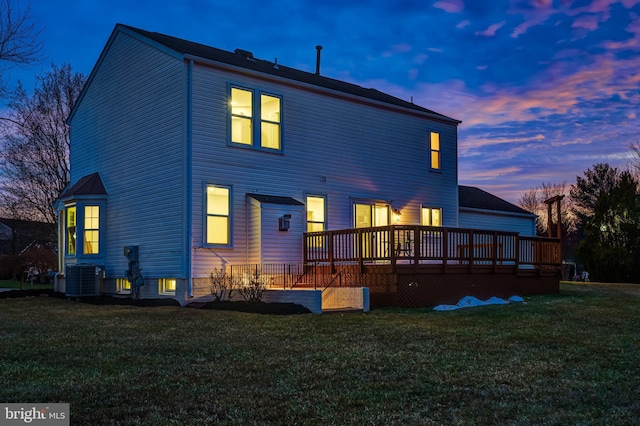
(318, 49)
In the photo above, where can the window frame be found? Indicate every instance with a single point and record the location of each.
(162, 286)
(68, 245)
(256, 119)
(429, 210)
(206, 215)
(98, 230)
(437, 152)
(123, 286)
(325, 211)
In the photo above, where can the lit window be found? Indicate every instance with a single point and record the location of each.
(241, 116)
(315, 214)
(270, 125)
(431, 216)
(256, 120)
(218, 217)
(91, 229)
(71, 231)
(123, 285)
(435, 151)
(316, 219)
(167, 286)
(368, 215)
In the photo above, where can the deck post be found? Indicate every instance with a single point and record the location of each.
(416, 245)
(517, 248)
(445, 249)
(471, 250)
(330, 254)
(495, 251)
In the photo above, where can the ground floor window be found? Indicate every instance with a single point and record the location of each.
(218, 215)
(71, 230)
(431, 216)
(167, 286)
(123, 286)
(91, 229)
(368, 215)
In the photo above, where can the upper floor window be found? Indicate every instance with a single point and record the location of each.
(256, 119)
(218, 215)
(436, 160)
(270, 122)
(91, 229)
(431, 216)
(241, 116)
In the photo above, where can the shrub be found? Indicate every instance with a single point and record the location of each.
(222, 285)
(254, 287)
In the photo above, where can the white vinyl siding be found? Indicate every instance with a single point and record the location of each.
(130, 127)
(495, 220)
(336, 147)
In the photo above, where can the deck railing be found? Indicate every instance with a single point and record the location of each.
(426, 245)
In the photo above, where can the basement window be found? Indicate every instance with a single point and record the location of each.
(123, 286)
(167, 286)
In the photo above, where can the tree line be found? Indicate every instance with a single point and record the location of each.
(600, 219)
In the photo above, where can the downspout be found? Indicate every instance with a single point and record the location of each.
(189, 174)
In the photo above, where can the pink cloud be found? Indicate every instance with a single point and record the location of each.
(450, 6)
(616, 45)
(588, 22)
(491, 31)
(463, 24)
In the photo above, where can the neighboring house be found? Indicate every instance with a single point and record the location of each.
(192, 158)
(482, 210)
(16, 235)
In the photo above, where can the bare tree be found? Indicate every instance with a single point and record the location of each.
(635, 161)
(19, 38)
(533, 201)
(34, 162)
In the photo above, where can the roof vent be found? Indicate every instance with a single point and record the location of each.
(243, 53)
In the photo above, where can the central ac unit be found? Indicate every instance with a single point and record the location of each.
(84, 280)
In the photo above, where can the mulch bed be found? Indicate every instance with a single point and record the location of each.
(241, 306)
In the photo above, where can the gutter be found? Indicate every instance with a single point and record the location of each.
(189, 206)
(320, 89)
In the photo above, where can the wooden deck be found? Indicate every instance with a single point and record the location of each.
(398, 248)
(419, 266)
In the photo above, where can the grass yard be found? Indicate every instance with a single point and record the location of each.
(571, 358)
(26, 285)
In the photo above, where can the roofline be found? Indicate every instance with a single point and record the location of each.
(117, 29)
(320, 89)
(131, 31)
(504, 212)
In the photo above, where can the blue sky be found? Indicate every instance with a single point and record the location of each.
(544, 89)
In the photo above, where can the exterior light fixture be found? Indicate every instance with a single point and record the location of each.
(284, 222)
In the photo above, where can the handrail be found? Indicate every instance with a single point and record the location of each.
(339, 274)
(417, 244)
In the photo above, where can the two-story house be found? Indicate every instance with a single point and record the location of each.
(197, 158)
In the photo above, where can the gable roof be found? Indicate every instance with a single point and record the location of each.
(476, 198)
(244, 59)
(87, 185)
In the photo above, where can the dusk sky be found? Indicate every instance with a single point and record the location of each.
(544, 89)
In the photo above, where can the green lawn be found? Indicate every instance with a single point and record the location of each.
(571, 358)
(26, 285)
